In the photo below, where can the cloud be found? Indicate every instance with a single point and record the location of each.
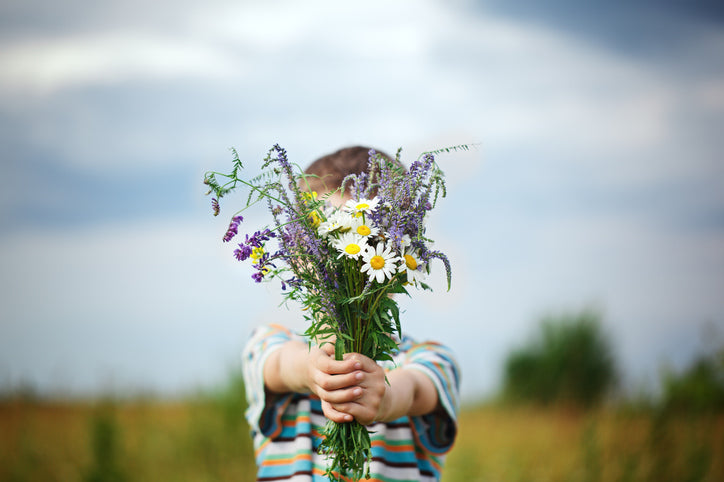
(597, 177)
(289, 70)
(45, 66)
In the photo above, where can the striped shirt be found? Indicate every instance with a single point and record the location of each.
(286, 428)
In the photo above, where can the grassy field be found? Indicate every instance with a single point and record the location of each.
(206, 439)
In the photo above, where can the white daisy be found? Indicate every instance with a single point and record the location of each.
(404, 240)
(336, 221)
(380, 262)
(361, 205)
(413, 267)
(350, 245)
(364, 227)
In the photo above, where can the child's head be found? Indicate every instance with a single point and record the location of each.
(330, 170)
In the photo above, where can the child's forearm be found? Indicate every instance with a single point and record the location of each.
(410, 393)
(285, 369)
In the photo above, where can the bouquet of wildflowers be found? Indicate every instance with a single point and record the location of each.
(341, 263)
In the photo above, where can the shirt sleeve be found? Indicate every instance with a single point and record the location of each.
(436, 431)
(263, 411)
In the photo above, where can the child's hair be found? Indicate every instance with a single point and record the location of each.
(329, 171)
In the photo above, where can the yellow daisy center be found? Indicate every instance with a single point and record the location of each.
(377, 262)
(362, 206)
(410, 262)
(363, 230)
(352, 248)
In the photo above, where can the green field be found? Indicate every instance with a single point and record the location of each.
(205, 439)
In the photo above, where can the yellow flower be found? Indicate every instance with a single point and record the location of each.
(315, 219)
(309, 196)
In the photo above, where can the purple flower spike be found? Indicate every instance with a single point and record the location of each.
(257, 239)
(233, 228)
(243, 252)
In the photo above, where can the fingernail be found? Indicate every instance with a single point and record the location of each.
(359, 375)
(358, 365)
(348, 418)
(357, 391)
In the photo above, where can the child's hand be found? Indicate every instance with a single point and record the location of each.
(350, 389)
(373, 399)
(335, 382)
(369, 400)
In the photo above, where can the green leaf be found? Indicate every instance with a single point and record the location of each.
(338, 349)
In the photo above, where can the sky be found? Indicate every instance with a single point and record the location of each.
(595, 181)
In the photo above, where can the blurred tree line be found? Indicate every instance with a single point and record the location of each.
(570, 360)
(699, 387)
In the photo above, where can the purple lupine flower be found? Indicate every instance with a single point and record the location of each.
(258, 276)
(243, 252)
(283, 161)
(395, 234)
(215, 206)
(257, 239)
(428, 255)
(294, 282)
(233, 228)
(262, 261)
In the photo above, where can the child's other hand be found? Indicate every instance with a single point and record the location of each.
(335, 382)
(367, 395)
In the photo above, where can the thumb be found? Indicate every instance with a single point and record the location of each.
(328, 348)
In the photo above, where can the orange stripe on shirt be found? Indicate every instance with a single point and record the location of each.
(286, 461)
(262, 447)
(322, 473)
(408, 447)
(292, 423)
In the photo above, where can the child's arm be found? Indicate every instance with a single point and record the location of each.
(351, 388)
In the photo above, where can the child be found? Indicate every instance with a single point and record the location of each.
(293, 389)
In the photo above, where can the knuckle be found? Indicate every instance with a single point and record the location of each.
(323, 382)
(322, 394)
